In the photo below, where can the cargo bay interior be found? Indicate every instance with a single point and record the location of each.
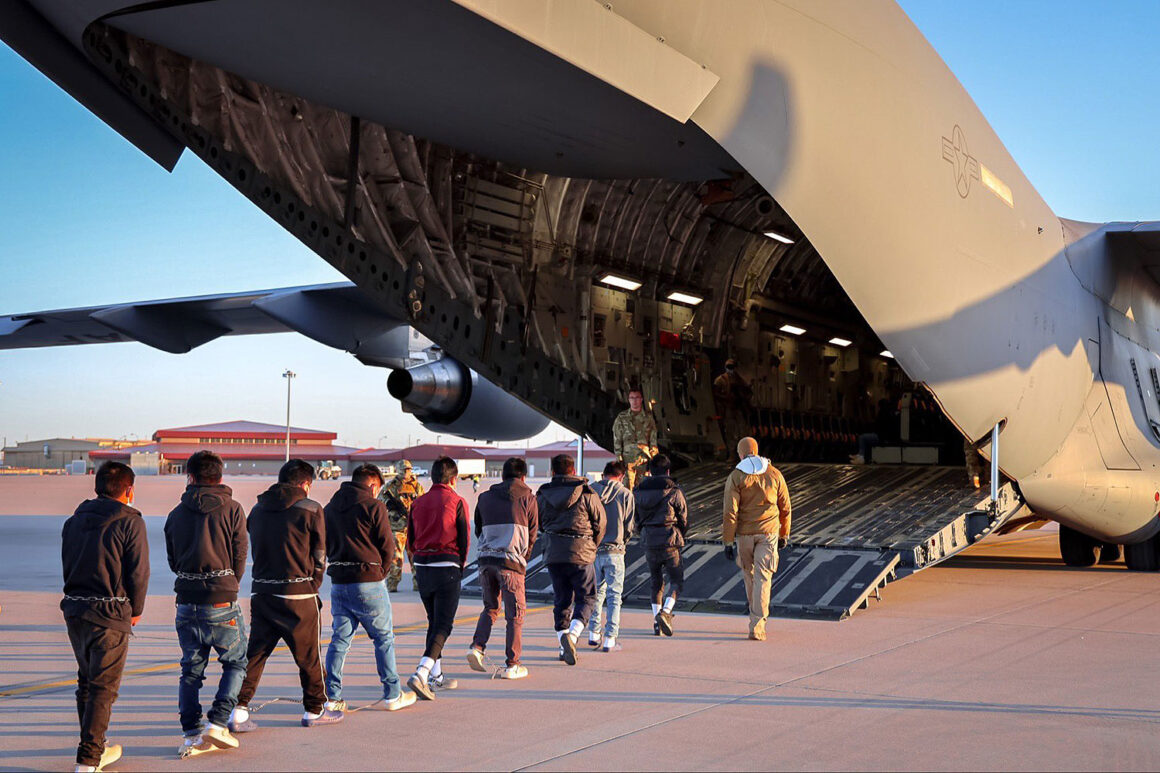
(567, 290)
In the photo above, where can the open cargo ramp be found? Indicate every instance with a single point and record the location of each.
(855, 529)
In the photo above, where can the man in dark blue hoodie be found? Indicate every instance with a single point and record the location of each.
(663, 517)
(572, 517)
(288, 540)
(206, 544)
(106, 575)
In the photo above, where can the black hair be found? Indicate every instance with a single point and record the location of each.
(660, 465)
(366, 474)
(515, 467)
(444, 470)
(615, 469)
(114, 479)
(296, 472)
(205, 467)
(562, 464)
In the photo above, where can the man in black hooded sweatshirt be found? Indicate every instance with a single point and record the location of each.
(572, 517)
(663, 517)
(106, 574)
(288, 540)
(205, 541)
(361, 549)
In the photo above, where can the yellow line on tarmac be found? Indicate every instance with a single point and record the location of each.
(12, 692)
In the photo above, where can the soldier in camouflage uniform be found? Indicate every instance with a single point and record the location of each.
(634, 436)
(399, 494)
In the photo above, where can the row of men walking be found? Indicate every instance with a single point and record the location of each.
(294, 541)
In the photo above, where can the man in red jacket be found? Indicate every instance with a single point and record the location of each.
(438, 534)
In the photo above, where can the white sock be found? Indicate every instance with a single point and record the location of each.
(239, 715)
(425, 666)
(670, 602)
(575, 629)
(311, 714)
(437, 669)
(609, 642)
(560, 635)
(656, 608)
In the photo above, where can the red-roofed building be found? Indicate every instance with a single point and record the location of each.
(246, 447)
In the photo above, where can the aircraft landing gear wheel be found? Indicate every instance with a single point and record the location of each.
(1143, 556)
(1076, 548)
(1110, 553)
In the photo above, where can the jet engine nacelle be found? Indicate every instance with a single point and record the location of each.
(447, 396)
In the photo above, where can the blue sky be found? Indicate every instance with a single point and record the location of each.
(85, 219)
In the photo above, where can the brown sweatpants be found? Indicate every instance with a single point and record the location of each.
(757, 557)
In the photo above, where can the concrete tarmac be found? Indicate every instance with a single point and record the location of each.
(1000, 659)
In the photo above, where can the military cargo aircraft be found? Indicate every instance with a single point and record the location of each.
(539, 204)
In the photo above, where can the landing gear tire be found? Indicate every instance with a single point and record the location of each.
(1143, 556)
(1076, 548)
(1110, 553)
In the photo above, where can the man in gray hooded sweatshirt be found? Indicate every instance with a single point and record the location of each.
(620, 512)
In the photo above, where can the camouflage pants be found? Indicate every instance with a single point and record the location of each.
(636, 471)
(395, 573)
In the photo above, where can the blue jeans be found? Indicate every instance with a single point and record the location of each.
(367, 604)
(609, 580)
(200, 628)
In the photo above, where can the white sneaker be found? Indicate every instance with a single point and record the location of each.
(193, 745)
(406, 698)
(475, 659)
(338, 705)
(111, 754)
(513, 672)
(609, 644)
(593, 640)
(219, 736)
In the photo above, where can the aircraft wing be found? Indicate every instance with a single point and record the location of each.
(338, 315)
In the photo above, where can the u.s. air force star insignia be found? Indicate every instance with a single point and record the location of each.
(966, 166)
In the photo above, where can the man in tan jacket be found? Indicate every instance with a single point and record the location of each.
(757, 516)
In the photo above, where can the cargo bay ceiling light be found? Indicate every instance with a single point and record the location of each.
(840, 341)
(886, 353)
(792, 329)
(778, 237)
(692, 300)
(624, 283)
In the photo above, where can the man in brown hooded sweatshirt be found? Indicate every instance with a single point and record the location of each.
(757, 516)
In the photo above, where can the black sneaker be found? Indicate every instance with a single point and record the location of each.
(568, 648)
(420, 687)
(656, 625)
(664, 622)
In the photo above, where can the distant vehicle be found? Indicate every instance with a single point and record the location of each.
(469, 468)
(419, 472)
(328, 470)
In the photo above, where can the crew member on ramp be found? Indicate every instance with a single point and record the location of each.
(757, 516)
(634, 435)
(288, 540)
(206, 543)
(106, 573)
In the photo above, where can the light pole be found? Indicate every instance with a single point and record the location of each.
(289, 376)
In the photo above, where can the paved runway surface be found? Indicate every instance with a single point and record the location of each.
(1000, 659)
